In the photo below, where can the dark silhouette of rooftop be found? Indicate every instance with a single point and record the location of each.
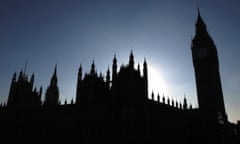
(116, 108)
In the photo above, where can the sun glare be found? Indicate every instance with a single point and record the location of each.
(156, 82)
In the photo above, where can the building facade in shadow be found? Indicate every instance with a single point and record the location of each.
(116, 108)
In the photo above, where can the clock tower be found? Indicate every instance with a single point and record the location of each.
(208, 82)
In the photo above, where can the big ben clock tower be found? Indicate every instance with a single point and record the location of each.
(208, 82)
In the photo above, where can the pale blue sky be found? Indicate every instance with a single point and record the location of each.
(70, 32)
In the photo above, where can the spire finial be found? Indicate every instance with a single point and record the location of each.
(199, 14)
(108, 70)
(25, 67)
(80, 69)
(199, 19)
(93, 64)
(145, 62)
(200, 25)
(131, 60)
(114, 58)
(55, 70)
(198, 10)
(184, 102)
(53, 81)
(93, 67)
(158, 98)
(152, 96)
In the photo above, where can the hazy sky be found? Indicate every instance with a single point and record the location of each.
(68, 33)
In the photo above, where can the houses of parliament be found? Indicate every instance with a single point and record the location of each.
(116, 109)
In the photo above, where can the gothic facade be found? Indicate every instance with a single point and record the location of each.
(22, 94)
(116, 109)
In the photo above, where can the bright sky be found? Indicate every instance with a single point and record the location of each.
(70, 32)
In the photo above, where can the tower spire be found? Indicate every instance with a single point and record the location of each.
(131, 60)
(198, 10)
(145, 77)
(207, 76)
(114, 68)
(80, 72)
(55, 70)
(200, 25)
(25, 67)
(52, 94)
(54, 77)
(79, 82)
(108, 78)
(93, 68)
(185, 102)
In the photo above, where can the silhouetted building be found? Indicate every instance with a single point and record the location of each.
(209, 89)
(116, 108)
(22, 94)
(52, 94)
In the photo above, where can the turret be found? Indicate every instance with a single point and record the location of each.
(173, 103)
(108, 78)
(138, 70)
(80, 73)
(176, 104)
(52, 93)
(114, 69)
(54, 77)
(13, 90)
(145, 71)
(152, 96)
(180, 105)
(40, 92)
(101, 76)
(190, 106)
(145, 77)
(20, 76)
(79, 81)
(32, 80)
(184, 103)
(168, 101)
(93, 72)
(158, 98)
(163, 99)
(131, 60)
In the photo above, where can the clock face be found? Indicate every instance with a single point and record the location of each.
(202, 52)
